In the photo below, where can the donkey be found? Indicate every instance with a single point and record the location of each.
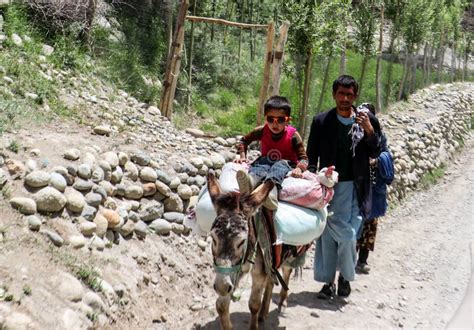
(237, 249)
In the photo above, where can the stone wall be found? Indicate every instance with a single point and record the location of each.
(426, 132)
(110, 195)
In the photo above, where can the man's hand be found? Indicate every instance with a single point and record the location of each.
(364, 121)
(297, 173)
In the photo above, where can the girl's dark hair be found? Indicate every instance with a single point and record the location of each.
(277, 102)
(345, 81)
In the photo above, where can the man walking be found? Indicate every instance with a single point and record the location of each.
(346, 139)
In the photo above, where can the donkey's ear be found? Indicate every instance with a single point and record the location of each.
(251, 203)
(213, 186)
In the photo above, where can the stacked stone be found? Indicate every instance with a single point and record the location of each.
(119, 194)
(112, 196)
(425, 133)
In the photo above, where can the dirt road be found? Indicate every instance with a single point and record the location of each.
(421, 268)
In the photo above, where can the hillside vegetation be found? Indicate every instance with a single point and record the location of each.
(124, 46)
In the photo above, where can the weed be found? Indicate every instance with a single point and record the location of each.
(13, 146)
(432, 176)
(89, 277)
(92, 316)
(9, 297)
(27, 290)
(460, 140)
(6, 192)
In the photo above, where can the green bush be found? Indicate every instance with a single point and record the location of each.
(240, 121)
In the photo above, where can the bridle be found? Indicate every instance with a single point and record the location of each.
(249, 256)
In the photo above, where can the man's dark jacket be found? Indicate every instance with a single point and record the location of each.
(322, 151)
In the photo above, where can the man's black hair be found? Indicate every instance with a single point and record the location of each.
(345, 81)
(277, 102)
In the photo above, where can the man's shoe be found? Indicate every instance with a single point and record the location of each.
(327, 292)
(343, 287)
(362, 268)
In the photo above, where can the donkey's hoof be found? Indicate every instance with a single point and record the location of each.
(281, 308)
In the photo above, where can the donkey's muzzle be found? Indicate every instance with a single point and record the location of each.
(223, 286)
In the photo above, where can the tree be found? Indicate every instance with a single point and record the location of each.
(378, 73)
(300, 14)
(394, 8)
(440, 32)
(332, 35)
(416, 21)
(317, 28)
(455, 13)
(365, 20)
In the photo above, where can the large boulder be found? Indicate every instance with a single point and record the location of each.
(49, 200)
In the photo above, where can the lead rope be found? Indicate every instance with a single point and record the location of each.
(239, 289)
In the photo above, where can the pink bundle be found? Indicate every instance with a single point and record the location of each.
(313, 191)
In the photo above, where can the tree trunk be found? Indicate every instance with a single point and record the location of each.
(458, 69)
(169, 25)
(365, 60)
(414, 63)
(191, 50)
(404, 77)
(325, 81)
(213, 14)
(430, 66)
(266, 72)
(228, 11)
(252, 32)
(306, 91)
(278, 58)
(241, 19)
(378, 69)
(173, 64)
(426, 51)
(90, 13)
(466, 59)
(453, 62)
(440, 63)
(342, 63)
(390, 70)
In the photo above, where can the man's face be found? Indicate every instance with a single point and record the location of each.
(344, 98)
(276, 119)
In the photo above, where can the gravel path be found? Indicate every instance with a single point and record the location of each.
(421, 268)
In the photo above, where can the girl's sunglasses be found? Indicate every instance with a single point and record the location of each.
(277, 120)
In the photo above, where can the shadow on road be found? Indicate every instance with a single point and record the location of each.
(310, 300)
(241, 320)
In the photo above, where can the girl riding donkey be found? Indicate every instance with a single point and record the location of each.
(281, 147)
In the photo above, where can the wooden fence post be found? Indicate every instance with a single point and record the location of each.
(266, 72)
(173, 63)
(278, 58)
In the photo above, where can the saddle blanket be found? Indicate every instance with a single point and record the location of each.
(294, 225)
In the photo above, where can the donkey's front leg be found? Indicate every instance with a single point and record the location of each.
(284, 293)
(222, 306)
(267, 298)
(258, 284)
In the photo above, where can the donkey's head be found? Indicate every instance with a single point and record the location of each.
(230, 231)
